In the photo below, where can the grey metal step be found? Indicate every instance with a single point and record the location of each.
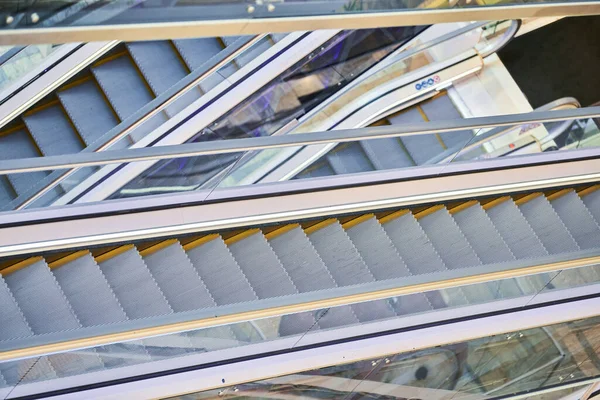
(90, 296)
(348, 159)
(126, 91)
(198, 52)
(7, 193)
(177, 279)
(53, 132)
(220, 272)
(133, 285)
(320, 168)
(308, 273)
(87, 107)
(592, 202)
(384, 262)
(21, 145)
(547, 225)
(578, 219)
(47, 310)
(261, 266)
(420, 256)
(386, 153)
(160, 64)
(487, 243)
(442, 109)
(346, 266)
(420, 147)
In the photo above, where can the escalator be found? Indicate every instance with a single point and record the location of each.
(68, 290)
(106, 93)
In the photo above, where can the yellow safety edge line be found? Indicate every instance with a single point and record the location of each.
(281, 230)
(429, 211)
(114, 252)
(558, 194)
(528, 198)
(200, 241)
(495, 202)
(320, 225)
(20, 265)
(588, 190)
(158, 246)
(241, 236)
(357, 220)
(67, 259)
(462, 206)
(141, 333)
(393, 216)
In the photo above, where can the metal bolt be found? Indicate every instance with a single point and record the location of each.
(271, 7)
(9, 19)
(35, 18)
(387, 360)
(236, 389)
(250, 9)
(373, 363)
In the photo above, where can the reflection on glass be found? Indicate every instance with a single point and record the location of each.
(507, 364)
(15, 62)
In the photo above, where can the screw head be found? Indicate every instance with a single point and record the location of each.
(9, 19)
(35, 18)
(271, 7)
(250, 9)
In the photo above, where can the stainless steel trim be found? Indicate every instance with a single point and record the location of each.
(515, 25)
(279, 141)
(419, 185)
(88, 337)
(149, 115)
(270, 366)
(52, 79)
(253, 26)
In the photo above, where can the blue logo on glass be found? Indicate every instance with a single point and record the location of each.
(427, 82)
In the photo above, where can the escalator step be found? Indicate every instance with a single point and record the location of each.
(442, 109)
(53, 132)
(547, 225)
(134, 286)
(386, 153)
(161, 66)
(21, 146)
(178, 280)
(592, 202)
(348, 159)
(7, 193)
(383, 260)
(308, 272)
(250, 54)
(91, 297)
(198, 52)
(346, 265)
(487, 244)
(12, 320)
(88, 110)
(578, 219)
(126, 91)
(418, 253)
(420, 147)
(220, 272)
(261, 265)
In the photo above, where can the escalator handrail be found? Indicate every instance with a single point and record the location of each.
(504, 39)
(558, 104)
(137, 119)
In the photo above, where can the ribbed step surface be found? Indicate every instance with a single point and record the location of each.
(386, 153)
(261, 266)
(308, 273)
(198, 53)
(547, 225)
(592, 202)
(578, 220)
(347, 267)
(349, 159)
(89, 111)
(134, 286)
(384, 262)
(21, 146)
(442, 109)
(220, 272)
(53, 131)
(420, 147)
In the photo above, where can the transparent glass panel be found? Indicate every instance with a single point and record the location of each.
(15, 62)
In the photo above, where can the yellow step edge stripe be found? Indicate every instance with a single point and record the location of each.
(49, 104)
(393, 216)
(528, 198)
(588, 190)
(357, 221)
(320, 225)
(20, 265)
(158, 246)
(281, 230)
(67, 259)
(495, 202)
(429, 211)
(113, 253)
(241, 236)
(200, 241)
(74, 83)
(110, 58)
(463, 206)
(558, 194)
